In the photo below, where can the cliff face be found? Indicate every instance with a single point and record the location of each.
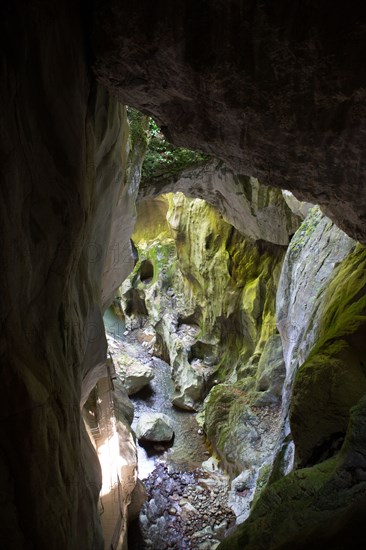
(64, 151)
(209, 293)
(321, 311)
(288, 403)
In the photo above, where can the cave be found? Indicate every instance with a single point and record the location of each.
(146, 272)
(270, 98)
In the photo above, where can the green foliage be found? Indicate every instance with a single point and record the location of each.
(139, 127)
(164, 159)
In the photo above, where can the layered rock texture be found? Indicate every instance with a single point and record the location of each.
(208, 292)
(50, 291)
(276, 403)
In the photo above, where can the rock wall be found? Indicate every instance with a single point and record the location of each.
(278, 93)
(210, 295)
(255, 210)
(64, 151)
(321, 313)
(314, 252)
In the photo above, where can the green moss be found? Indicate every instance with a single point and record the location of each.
(162, 255)
(318, 507)
(306, 229)
(223, 412)
(333, 378)
(164, 160)
(345, 299)
(139, 124)
(262, 480)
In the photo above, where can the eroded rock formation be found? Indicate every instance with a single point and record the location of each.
(255, 210)
(66, 153)
(321, 311)
(210, 297)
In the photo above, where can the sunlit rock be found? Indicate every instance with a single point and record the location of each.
(255, 210)
(132, 373)
(321, 316)
(154, 427)
(299, 208)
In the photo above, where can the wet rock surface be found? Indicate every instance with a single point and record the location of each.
(182, 511)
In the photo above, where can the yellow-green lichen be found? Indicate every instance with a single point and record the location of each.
(333, 378)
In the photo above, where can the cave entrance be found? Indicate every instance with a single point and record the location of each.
(197, 312)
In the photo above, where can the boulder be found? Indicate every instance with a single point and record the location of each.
(133, 374)
(154, 427)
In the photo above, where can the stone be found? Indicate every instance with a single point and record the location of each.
(123, 407)
(154, 427)
(299, 208)
(220, 528)
(189, 509)
(138, 497)
(71, 198)
(316, 248)
(133, 374)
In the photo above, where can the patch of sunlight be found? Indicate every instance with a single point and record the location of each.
(110, 462)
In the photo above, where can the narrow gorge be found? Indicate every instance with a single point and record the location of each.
(183, 292)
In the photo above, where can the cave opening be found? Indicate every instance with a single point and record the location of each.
(146, 271)
(178, 465)
(201, 335)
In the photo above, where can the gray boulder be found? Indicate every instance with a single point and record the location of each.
(133, 374)
(154, 427)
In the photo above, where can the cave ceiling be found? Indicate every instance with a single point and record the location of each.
(275, 89)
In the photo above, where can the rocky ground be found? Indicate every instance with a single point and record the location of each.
(183, 511)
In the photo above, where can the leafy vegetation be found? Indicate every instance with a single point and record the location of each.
(164, 159)
(139, 127)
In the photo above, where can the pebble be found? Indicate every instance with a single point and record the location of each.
(187, 527)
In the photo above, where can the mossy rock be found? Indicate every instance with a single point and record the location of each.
(333, 378)
(318, 507)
